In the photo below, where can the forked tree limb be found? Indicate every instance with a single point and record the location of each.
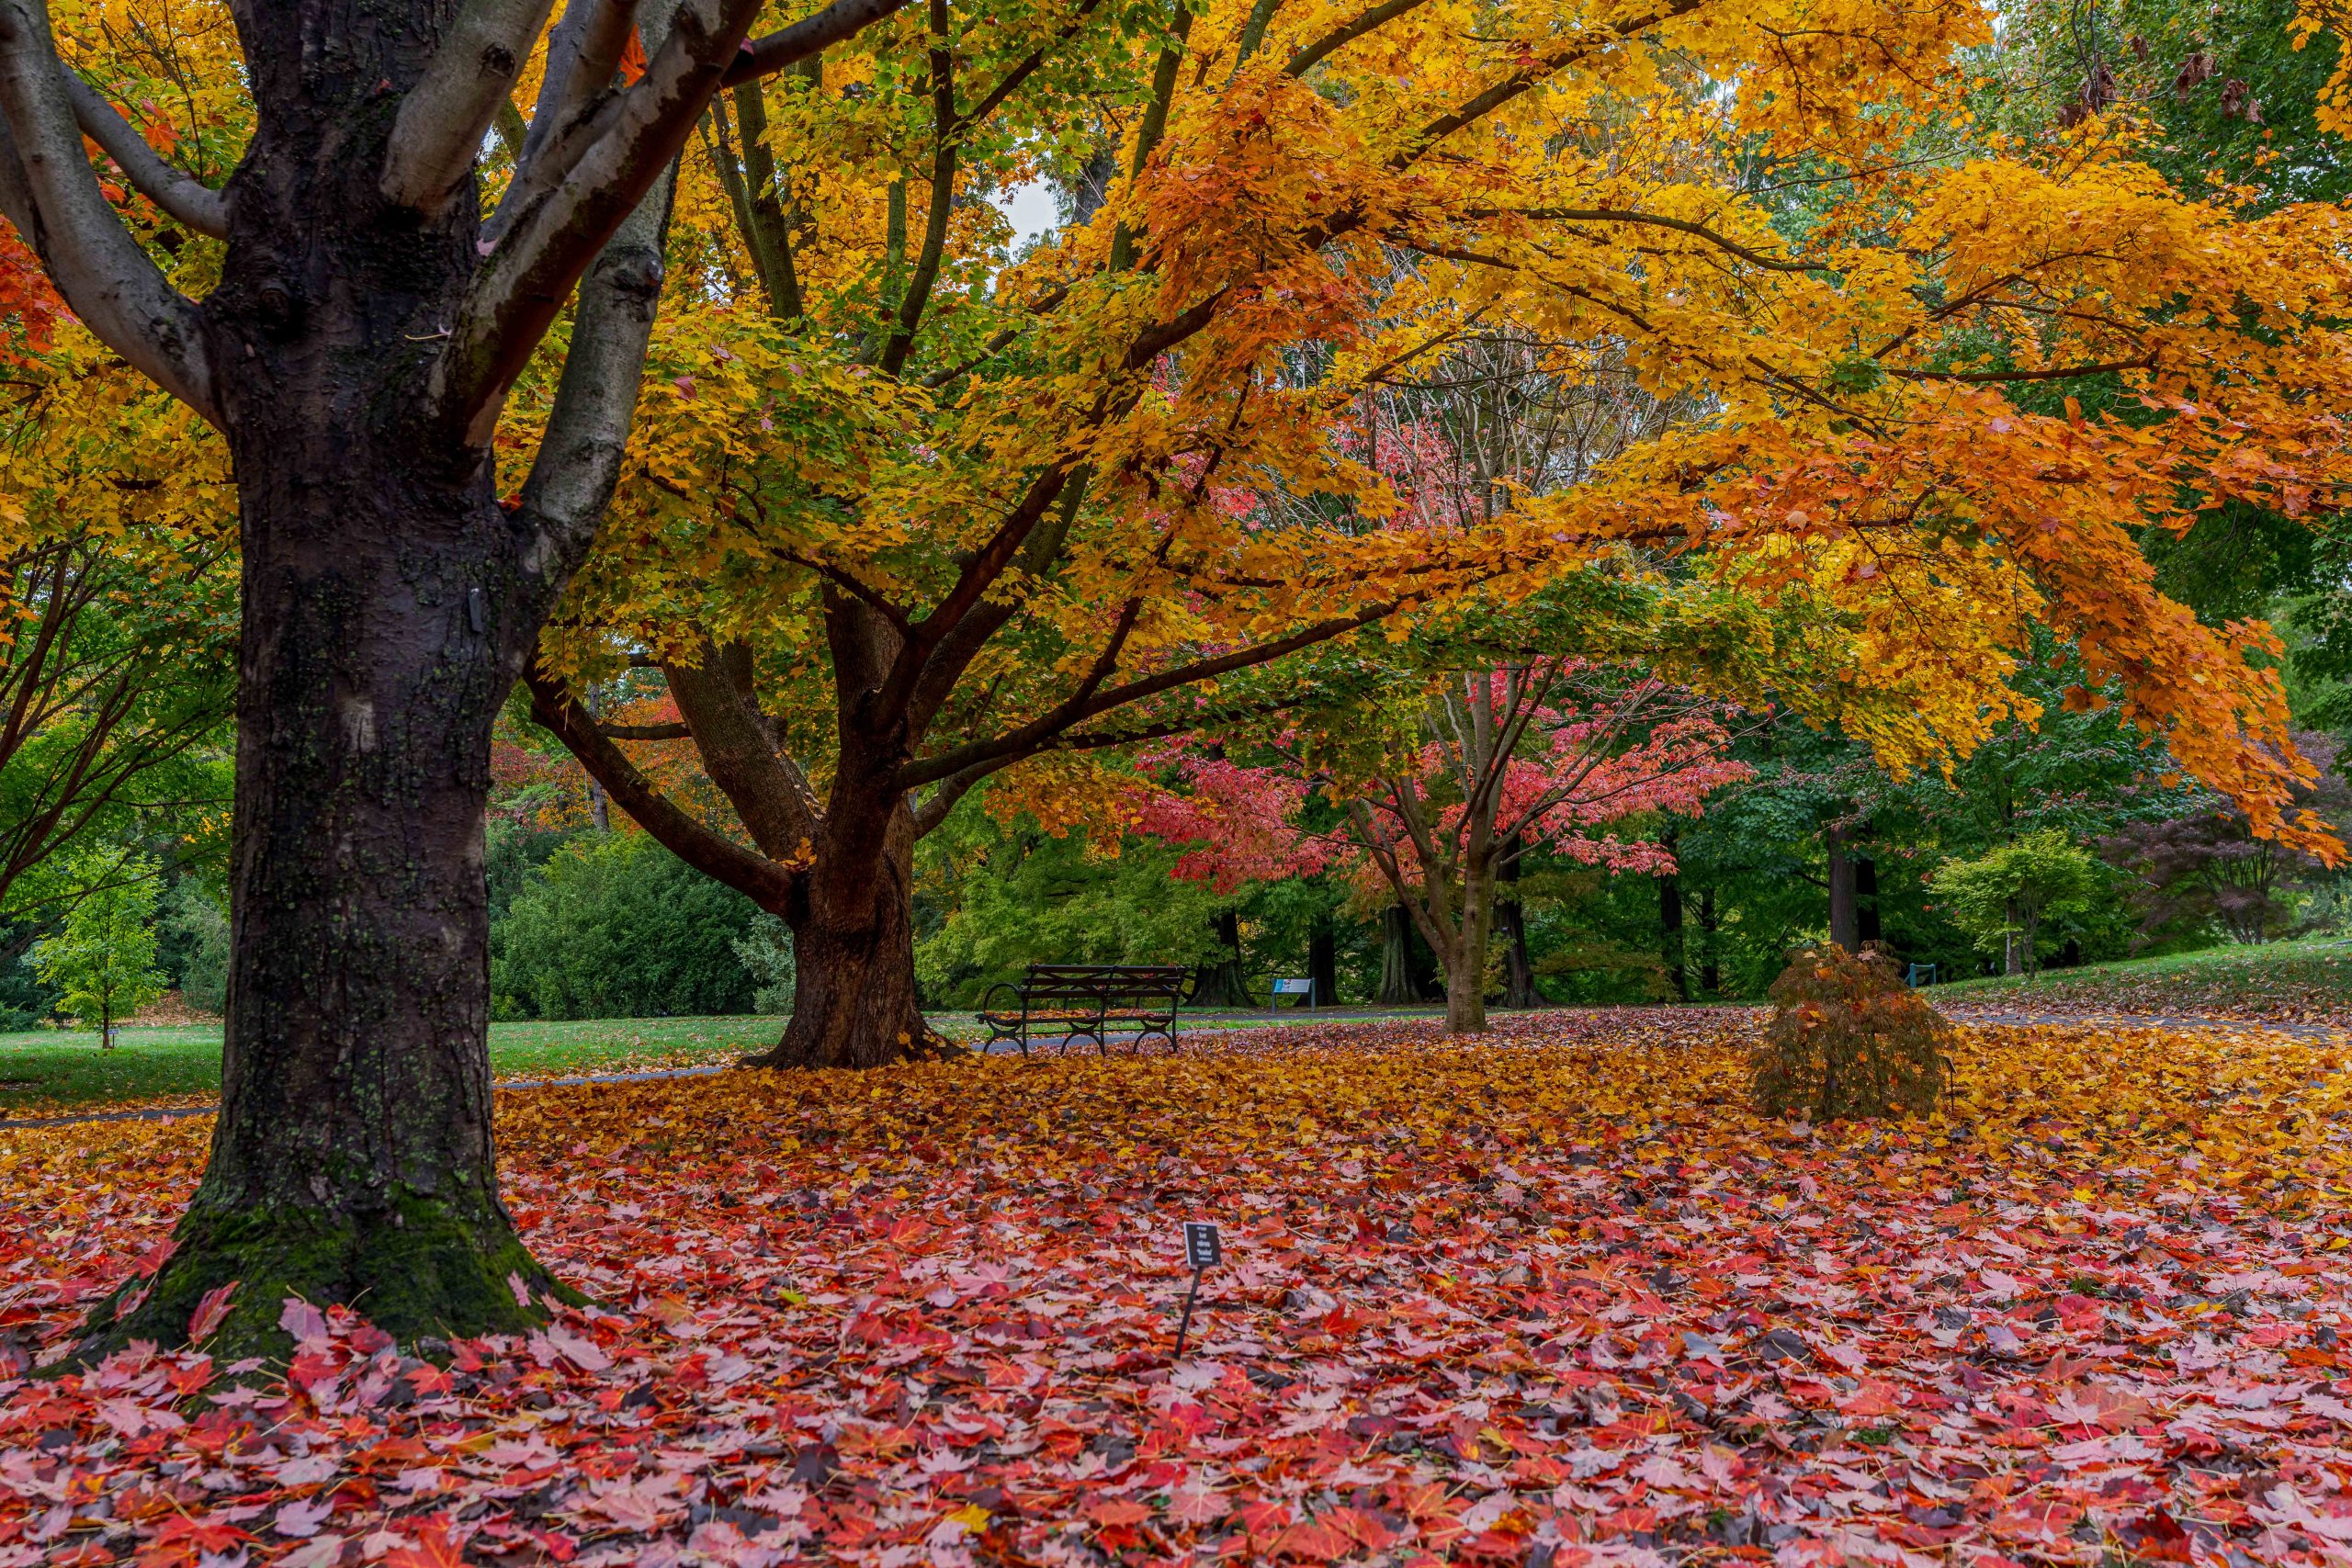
(443, 117)
(766, 884)
(96, 265)
(576, 104)
(528, 276)
(180, 194)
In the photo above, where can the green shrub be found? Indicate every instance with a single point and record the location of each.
(616, 926)
(1848, 1039)
(104, 960)
(766, 952)
(198, 930)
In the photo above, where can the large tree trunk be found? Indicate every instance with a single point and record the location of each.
(854, 1002)
(1408, 968)
(351, 1161)
(1866, 924)
(1465, 956)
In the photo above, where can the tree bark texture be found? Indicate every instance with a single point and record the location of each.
(1408, 968)
(386, 599)
(1866, 923)
(854, 1003)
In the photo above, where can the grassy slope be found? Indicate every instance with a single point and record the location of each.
(2283, 980)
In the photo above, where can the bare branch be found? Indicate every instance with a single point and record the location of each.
(807, 38)
(1652, 220)
(198, 205)
(944, 129)
(579, 460)
(1040, 732)
(443, 118)
(1534, 75)
(96, 265)
(645, 731)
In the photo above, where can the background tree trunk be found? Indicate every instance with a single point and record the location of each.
(1669, 934)
(1866, 926)
(1511, 924)
(855, 1002)
(1323, 960)
(1710, 979)
(1225, 983)
(1843, 929)
(1408, 968)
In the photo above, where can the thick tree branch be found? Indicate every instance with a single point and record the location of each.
(96, 265)
(198, 205)
(1535, 75)
(945, 131)
(520, 289)
(576, 104)
(443, 118)
(1652, 220)
(646, 731)
(771, 796)
(1034, 735)
(807, 38)
(579, 461)
(766, 884)
(1338, 37)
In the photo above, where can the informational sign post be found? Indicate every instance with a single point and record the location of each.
(1202, 1250)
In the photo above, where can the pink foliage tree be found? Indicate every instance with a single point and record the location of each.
(1551, 751)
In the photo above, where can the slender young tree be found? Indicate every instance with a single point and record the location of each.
(372, 314)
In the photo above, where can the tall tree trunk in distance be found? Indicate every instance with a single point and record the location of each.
(599, 809)
(1408, 968)
(1843, 929)
(2016, 944)
(1466, 961)
(1866, 926)
(1323, 960)
(1224, 982)
(1511, 924)
(1710, 979)
(1669, 934)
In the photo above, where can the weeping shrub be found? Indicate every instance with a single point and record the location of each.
(1848, 1039)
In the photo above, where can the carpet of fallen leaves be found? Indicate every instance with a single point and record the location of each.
(1558, 1298)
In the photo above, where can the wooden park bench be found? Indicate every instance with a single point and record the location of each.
(1079, 1001)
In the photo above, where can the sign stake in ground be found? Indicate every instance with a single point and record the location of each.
(1202, 1251)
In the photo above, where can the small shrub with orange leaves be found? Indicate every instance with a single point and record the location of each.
(1848, 1039)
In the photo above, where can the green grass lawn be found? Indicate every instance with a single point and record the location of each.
(56, 1071)
(2283, 980)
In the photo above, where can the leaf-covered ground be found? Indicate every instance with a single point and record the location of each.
(2281, 982)
(1558, 1298)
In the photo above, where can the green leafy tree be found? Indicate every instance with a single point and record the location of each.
(2000, 897)
(104, 960)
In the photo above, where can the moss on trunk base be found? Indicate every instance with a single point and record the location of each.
(415, 1268)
